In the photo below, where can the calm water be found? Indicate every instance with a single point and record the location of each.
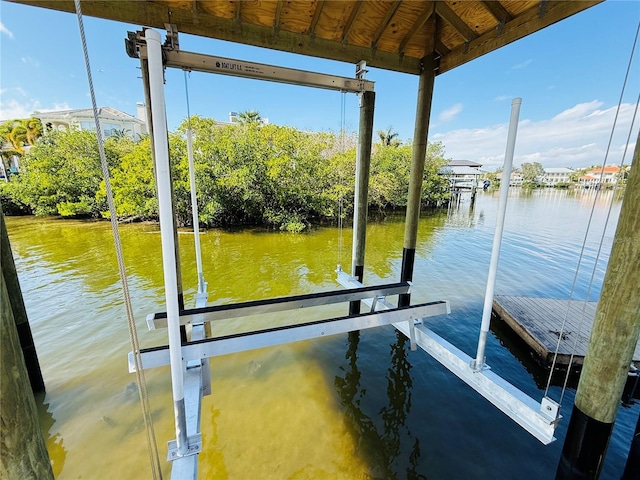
(341, 407)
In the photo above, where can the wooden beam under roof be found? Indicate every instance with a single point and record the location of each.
(352, 17)
(418, 24)
(276, 20)
(237, 16)
(497, 10)
(444, 11)
(155, 15)
(262, 25)
(521, 26)
(385, 22)
(316, 16)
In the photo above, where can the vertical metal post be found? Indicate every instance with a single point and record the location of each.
(614, 336)
(497, 236)
(194, 212)
(421, 132)
(167, 231)
(363, 164)
(144, 68)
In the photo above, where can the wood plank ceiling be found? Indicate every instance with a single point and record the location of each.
(389, 34)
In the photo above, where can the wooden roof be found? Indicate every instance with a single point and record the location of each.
(389, 34)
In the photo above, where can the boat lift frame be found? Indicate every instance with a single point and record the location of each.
(188, 359)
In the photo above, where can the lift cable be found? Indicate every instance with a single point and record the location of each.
(133, 334)
(202, 285)
(588, 228)
(341, 186)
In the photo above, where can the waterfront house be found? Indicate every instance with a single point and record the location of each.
(463, 173)
(554, 176)
(112, 121)
(597, 177)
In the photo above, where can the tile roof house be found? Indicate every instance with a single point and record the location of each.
(600, 176)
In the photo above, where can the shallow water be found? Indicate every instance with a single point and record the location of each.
(344, 407)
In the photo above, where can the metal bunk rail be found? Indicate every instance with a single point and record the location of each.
(271, 305)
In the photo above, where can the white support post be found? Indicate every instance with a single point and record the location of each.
(478, 363)
(156, 84)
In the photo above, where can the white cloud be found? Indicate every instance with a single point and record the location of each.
(450, 113)
(5, 30)
(14, 109)
(501, 98)
(19, 90)
(30, 61)
(576, 137)
(522, 65)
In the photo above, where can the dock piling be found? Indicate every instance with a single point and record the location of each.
(418, 157)
(613, 340)
(23, 452)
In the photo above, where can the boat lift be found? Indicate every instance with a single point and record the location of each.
(189, 370)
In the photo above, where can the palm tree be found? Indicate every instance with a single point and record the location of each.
(249, 117)
(388, 137)
(21, 132)
(34, 129)
(119, 134)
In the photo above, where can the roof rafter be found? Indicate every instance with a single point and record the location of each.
(352, 17)
(385, 23)
(418, 24)
(237, 16)
(310, 25)
(449, 16)
(521, 26)
(276, 20)
(496, 9)
(316, 17)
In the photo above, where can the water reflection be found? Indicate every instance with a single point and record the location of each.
(53, 439)
(383, 450)
(282, 413)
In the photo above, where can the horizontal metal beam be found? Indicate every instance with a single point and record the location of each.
(256, 307)
(539, 419)
(260, 71)
(213, 347)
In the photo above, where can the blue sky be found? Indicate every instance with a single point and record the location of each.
(569, 75)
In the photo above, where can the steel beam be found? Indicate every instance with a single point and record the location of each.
(259, 71)
(539, 419)
(213, 347)
(271, 305)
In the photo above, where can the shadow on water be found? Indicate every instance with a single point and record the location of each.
(53, 439)
(381, 447)
(535, 366)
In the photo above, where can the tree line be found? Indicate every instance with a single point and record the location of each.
(249, 173)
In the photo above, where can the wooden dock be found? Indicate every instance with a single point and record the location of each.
(538, 322)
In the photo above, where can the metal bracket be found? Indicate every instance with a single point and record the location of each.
(171, 42)
(361, 69)
(478, 368)
(194, 446)
(412, 335)
(550, 409)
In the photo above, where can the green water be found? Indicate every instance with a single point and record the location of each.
(340, 407)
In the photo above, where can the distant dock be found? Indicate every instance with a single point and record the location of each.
(538, 322)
